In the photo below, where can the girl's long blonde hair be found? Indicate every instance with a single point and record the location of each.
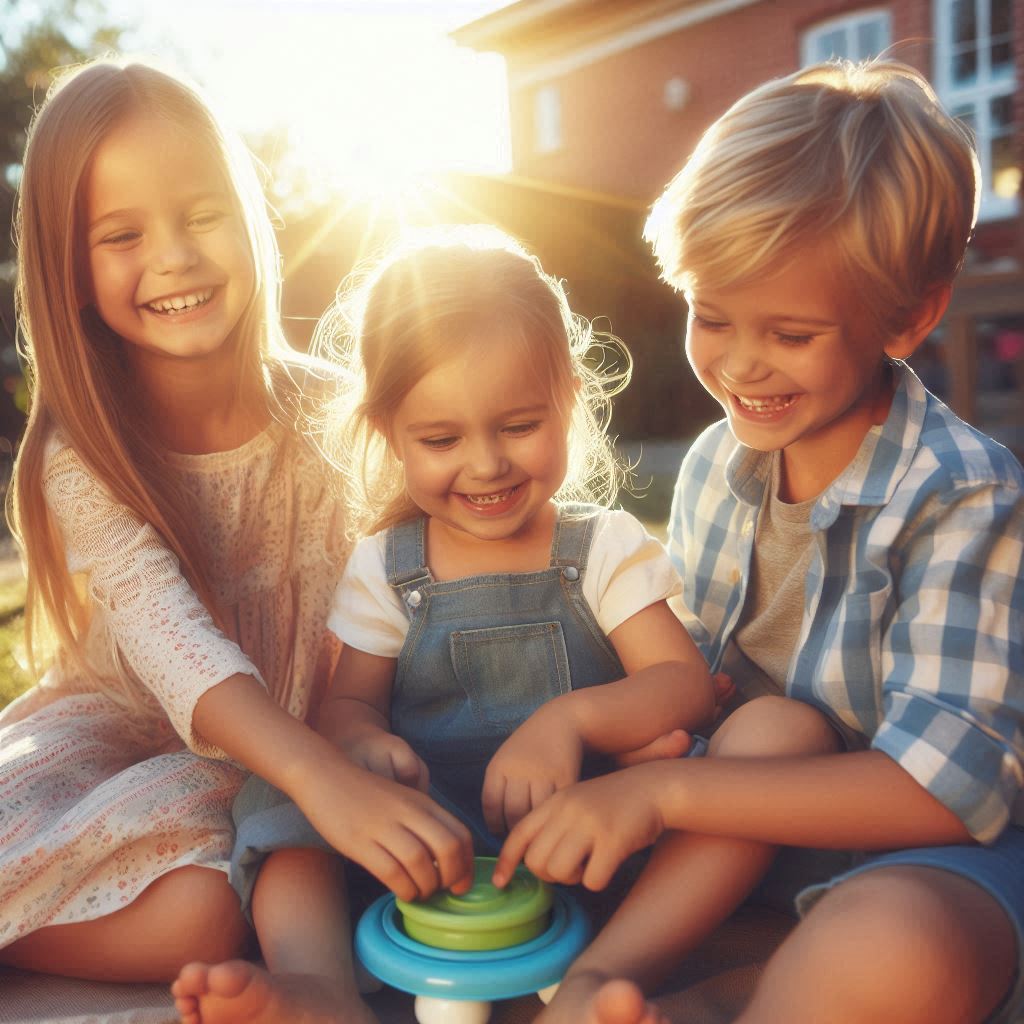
(432, 294)
(80, 384)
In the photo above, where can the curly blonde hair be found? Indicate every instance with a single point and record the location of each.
(432, 294)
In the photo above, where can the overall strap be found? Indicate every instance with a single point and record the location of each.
(574, 532)
(405, 548)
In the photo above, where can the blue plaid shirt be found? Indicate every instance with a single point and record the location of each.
(913, 625)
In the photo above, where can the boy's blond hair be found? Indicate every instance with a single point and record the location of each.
(861, 156)
(434, 293)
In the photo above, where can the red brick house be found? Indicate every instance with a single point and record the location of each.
(609, 96)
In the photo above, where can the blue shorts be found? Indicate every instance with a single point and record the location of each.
(998, 869)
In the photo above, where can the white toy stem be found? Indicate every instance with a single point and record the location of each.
(431, 1010)
(547, 994)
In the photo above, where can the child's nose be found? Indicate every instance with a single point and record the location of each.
(742, 360)
(487, 461)
(174, 252)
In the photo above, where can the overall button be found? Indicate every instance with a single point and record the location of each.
(571, 573)
(414, 599)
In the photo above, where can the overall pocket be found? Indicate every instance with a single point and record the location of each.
(507, 672)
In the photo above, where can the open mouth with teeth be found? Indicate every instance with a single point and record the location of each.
(765, 406)
(496, 501)
(176, 305)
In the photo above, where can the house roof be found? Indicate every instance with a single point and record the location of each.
(538, 27)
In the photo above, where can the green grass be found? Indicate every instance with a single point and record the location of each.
(13, 678)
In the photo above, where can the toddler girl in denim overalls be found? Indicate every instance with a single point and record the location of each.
(504, 633)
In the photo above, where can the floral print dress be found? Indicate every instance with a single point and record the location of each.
(104, 786)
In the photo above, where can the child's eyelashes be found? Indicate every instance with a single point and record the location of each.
(521, 429)
(794, 339)
(120, 238)
(207, 220)
(448, 441)
(707, 324)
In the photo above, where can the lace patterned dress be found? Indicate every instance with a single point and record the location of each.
(102, 793)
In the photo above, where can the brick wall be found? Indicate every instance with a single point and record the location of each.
(618, 135)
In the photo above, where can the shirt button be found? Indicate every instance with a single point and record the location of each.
(735, 576)
(571, 573)
(414, 599)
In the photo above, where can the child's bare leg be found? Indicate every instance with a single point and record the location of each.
(189, 913)
(901, 944)
(703, 878)
(300, 908)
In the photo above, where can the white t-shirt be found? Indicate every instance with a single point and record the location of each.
(627, 571)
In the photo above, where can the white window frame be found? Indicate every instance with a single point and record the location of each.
(547, 118)
(978, 94)
(848, 24)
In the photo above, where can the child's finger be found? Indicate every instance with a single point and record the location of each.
(406, 766)
(603, 862)
(451, 846)
(492, 802)
(568, 857)
(516, 844)
(517, 802)
(389, 871)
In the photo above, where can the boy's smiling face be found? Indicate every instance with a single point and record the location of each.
(794, 365)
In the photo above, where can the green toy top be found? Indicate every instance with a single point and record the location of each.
(486, 917)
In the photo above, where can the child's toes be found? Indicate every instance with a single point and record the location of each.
(191, 981)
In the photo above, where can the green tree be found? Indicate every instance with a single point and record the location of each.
(36, 36)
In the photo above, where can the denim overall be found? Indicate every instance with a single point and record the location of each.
(484, 652)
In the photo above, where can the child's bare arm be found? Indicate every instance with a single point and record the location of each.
(399, 835)
(861, 800)
(355, 717)
(667, 686)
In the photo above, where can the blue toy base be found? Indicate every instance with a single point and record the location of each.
(410, 966)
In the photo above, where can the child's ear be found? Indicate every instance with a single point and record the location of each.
(922, 321)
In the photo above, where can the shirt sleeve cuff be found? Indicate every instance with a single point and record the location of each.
(976, 775)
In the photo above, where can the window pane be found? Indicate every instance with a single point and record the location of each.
(1006, 170)
(547, 119)
(965, 65)
(1002, 17)
(965, 115)
(871, 38)
(1001, 53)
(832, 44)
(965, 24)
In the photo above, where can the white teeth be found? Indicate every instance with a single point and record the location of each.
(766, 404)
(181, 303)
(489, 499)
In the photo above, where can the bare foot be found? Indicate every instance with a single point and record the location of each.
(589, 997)
(239, 992)
(621, 1002)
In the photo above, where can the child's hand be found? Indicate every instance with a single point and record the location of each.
(388, 755)
(401, 836)
(673, 744)
(542, 756)
(677, 742)
(585, 832)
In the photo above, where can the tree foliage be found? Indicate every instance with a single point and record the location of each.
(35, 38)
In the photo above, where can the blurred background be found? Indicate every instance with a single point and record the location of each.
(559, 120)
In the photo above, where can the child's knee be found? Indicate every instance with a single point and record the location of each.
(209, 917)
(774, 727)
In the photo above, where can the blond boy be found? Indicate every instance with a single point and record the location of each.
(846, 544)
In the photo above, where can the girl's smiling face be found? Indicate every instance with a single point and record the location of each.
(792, 364)
(170, 265)
(482, 443)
